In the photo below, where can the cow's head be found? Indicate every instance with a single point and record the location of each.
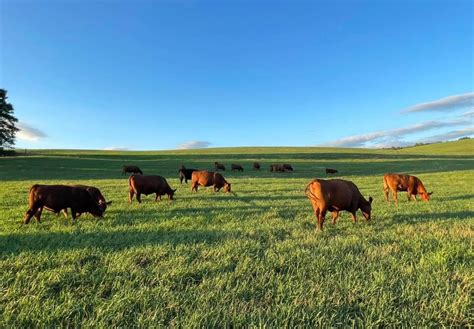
(96, 209)
(227, 187)
(366, 207)
(103, 204)
(425, 196)
(171, 193)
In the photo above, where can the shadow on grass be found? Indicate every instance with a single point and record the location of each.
(430, 217)
(58, 241)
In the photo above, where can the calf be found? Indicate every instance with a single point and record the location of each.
(335, 195)
(331, 171)
(218, 166)
(411, 184)
(58, 197)
(256, 166)
(209, 178)
(236, 167)
(185, 174)
(139, 184)
(132, 170)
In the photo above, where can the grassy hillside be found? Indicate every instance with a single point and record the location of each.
(253, 258)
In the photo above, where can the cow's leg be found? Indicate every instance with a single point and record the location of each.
(335, 215)
(394, 196)
(414, 197)
(30, 213)
(181, 180)
(130, 196)
(321, 217)
(354, 217)
(139, 197)
(194, 186)
(65, 213)
(385, 191)
(38, 214)
(409, 194)
(158, 197)
(73, 215)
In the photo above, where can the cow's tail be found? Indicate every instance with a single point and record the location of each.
(130, 181)
(385, 184)
(309, 193)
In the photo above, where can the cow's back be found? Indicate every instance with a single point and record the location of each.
(147, 184)
(204, 178)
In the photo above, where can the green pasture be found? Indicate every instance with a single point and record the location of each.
(250, 259)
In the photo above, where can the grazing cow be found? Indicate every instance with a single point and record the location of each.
(209, 178)
(256, 166)
(277, 168)
(96, 195)
(287, 167)
(185, 174)
(331, 171)
(236, 167)
(132, 170)
(139, 184)
(218, 166)
(411, 184)
(335, 195)
(58, 197)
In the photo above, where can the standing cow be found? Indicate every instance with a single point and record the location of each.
(96, 195)
(218, 166)
(139, 184)
(185, 174)
(131, 170)
(331, 171)
(58, 197)
(256, 166)
(411, 184)
(237, 167)
(209, 178)
(336, 195)
(287, 167)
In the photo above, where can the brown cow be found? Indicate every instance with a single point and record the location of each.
(335, 195)
(209, 178)
(139, 184)
(131, 169)
(218, 166)
(411, 184)
(96, 195)
(236, 167)
(256, 166)
(331, 171)
(58, 197)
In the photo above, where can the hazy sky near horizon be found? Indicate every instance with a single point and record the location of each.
(182, 74)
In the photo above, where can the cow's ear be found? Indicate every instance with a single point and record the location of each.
(370, 199)
(108, 202)
(430, 193)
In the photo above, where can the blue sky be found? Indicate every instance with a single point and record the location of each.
(169, 74)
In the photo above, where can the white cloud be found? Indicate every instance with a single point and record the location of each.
(116, 148)
(454, 102)
(466, 132)
(193, 145)
(29, 133)
(388, 138)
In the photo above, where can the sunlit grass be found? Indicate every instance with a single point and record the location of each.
(253, 258)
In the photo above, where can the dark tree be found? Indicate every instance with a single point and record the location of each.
(8, 122)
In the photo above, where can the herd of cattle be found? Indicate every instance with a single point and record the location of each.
(333, 195)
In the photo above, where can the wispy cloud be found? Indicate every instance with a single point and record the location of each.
(466, 132)
(29, 133)
(454, 102)
(193, 145)
(116, 148)
(393, 137)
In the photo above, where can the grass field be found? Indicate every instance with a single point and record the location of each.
(254, 258)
